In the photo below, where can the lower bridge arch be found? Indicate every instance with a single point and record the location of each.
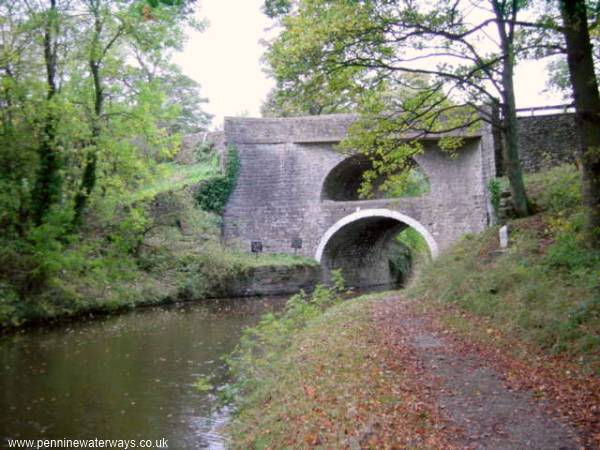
(359, 244)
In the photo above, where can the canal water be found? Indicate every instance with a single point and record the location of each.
(129, 376)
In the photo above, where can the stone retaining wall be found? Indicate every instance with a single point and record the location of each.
(545, 141)
(271, 280)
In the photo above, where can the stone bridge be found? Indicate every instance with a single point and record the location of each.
(293, 184)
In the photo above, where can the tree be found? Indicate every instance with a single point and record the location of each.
(76, 129)
(109, 30)
(22, 104)
(181, 92)
(48, 179)
(81, 129)
(279, 103)
(550, 28)
(587, 109)
(468, 51)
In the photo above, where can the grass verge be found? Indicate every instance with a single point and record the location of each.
(172, 176)
(544, 290)
(314, 379)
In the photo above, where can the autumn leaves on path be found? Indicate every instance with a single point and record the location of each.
(385, 372)
(474, 396)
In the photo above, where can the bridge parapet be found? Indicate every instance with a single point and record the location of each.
(326, 128)
(310, 129)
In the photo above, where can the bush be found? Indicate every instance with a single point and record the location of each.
(556, 190)
(214, 193)
(262, 345)
(495, 189)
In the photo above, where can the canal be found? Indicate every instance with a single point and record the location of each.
(129, 376)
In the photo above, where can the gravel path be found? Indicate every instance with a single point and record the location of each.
(472, 395)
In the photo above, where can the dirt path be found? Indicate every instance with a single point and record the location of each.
(480, 410)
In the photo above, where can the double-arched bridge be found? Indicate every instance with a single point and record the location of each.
(295, 190)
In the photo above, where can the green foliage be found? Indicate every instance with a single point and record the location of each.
(205, 153)
(172, 176)
(411, 182)
(156, 3)
(568, 251)
(337, 279)
(313, 101)
(203, 384)
(262, 345)
(557, 190)
(83, 126)
(380, 137)
(400, 263)
(409, 69)
(412, 239)
(9, 305)
(495, 189)
(214, 194)
(408, 251)
(98, 128)
(182, 96)
(156, 248)
(52, 276)
(274, 8)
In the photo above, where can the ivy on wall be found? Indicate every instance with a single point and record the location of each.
(213, 195)
(495, 189)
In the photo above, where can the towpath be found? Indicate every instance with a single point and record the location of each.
(479, 407)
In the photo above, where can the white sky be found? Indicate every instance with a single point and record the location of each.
(225, 60)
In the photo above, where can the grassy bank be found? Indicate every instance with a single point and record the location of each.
(163, 247)
(544, 290)
(318, 377)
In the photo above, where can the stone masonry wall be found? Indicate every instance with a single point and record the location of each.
(277, 196)
(270, 280)
(545, 141)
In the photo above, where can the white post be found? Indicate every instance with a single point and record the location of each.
(503, 232)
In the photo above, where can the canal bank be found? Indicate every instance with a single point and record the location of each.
(388, 371)
(175, 254)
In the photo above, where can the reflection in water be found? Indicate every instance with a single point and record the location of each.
(123, 377)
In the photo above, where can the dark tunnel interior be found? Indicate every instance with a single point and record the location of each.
(367, 253)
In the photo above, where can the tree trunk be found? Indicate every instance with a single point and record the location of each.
(587, 110)
(88, 179)
(511, 152)
(510, 133)
(48, 181)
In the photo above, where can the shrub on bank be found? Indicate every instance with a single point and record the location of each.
(213, 194)
(269, 339)
(161, 248)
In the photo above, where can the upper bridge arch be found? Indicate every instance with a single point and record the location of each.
(343, 182)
